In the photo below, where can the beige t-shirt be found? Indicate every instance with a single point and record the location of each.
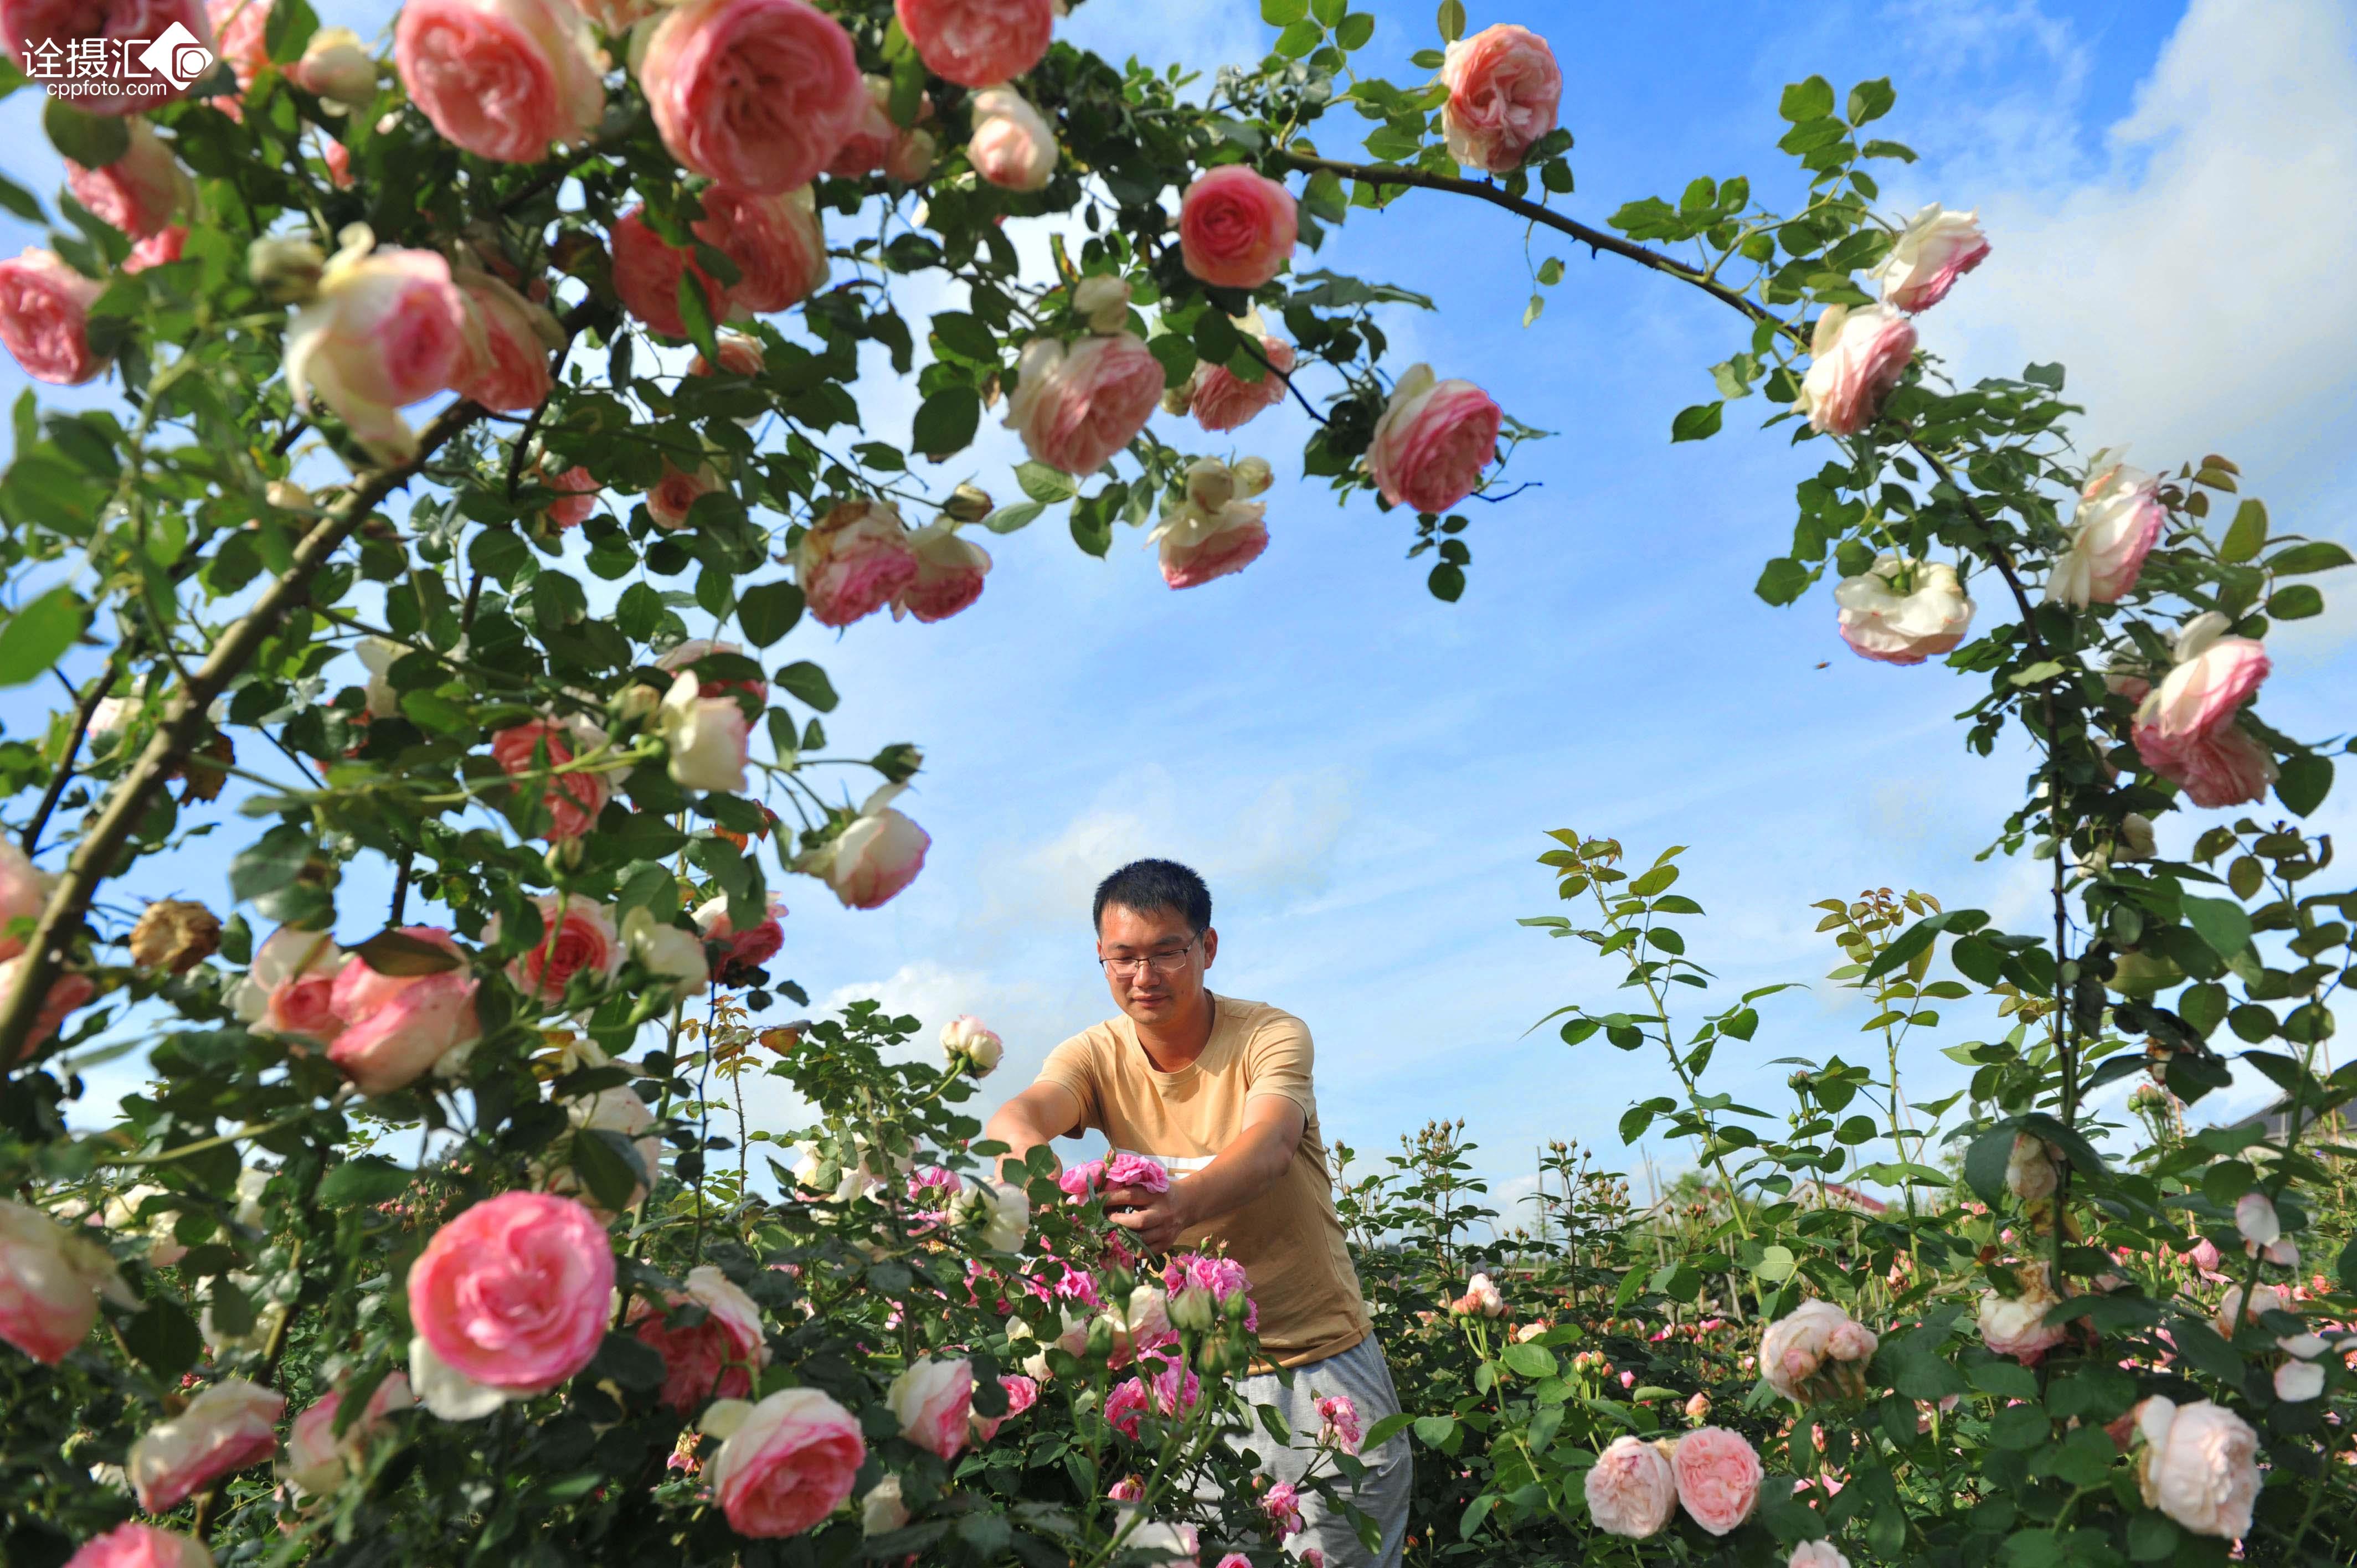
(1288, 1238)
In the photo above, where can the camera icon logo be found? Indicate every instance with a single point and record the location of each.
(177, 57)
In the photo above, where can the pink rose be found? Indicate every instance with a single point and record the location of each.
(1719, 1478)
(739, 356)
(789, 1464)
(67, 992)
(707, 739)
(2119, 519)
(1021, 1392)
(339, 159)
(66, 22)
(241, 36)
(1212, 532)
(1433, 441)
(1503, 91)
(1236, 227)
(1816, 1351)
(578, 938)
(1128, 1489)
(1079, 1181)
(878, 855)
(975, 43)
(756, 94)
(676, 493)
(1124, 1169)
(1128, 1403)
(717, 1358)
(932, 1399)
(536, 747)
(1339, 1426)
(288, 990)
(2203, 1255)
(747, 949)
(579, 490)
(397, 1028)
(50, 1280)
(229, 1426)
(508, 341)
(385, 331)
(140, 192)
(1282, 1504)
(158, 250)
(1937, 248)
(1013, 148)
(1223, 401)
(136, 1545)
(1882, 619)
(513, 1294)
(876, 143)
(1817, 1554)
(2017, 1326)
(854, 561)
(1078, 403)
(2185, 729)
(44, 317)
(1481, 1299)
(24, 893)
(647, 268)
(318, 1461)
(501, 78)
(696, 648)
(949, 570)
(777, 243)
(1857, 357)
(2199, 1464)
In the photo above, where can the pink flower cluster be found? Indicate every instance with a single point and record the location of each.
(1713, 1473)
(1172, 1391)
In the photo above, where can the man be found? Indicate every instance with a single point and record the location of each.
(1218, 1091)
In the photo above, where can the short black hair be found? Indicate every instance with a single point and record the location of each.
(1148, 885)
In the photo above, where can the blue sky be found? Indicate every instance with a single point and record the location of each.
(1364, 773)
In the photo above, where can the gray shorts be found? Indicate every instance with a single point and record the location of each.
(1362, 1374)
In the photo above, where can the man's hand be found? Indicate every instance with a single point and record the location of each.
(1158, 1218)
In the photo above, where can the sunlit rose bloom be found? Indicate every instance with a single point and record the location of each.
(755, 95)
(1816, 1350)
(1078, 403)
(971, 1044)
(67, 992)
(385, 331)
(1719, 1478)
(1880, 621)
(241, 36)
(136, 1545)
(227, 1427)
(1236, 227)
(777, 243)
(647, 269)
(877, 856)
(1021, 1392)
(578, 491)
(140, 192)
(949, 570)
(751, 948)
(787, 1464)
(23, 891)
(513, 1295)
(2199, 1464)
(502, 78)
(578, 938)
(66, 23)
(1857, 357)
(1340, 1423)
(288, 989)
(539, 747)
(1503, 91)
(854, 561)
(319, 1462)
(739, 356)
(706, 737)
(1433, 441)
(337, 68)
(666, 951)
(509, 340)
(1937, 248)
(1013, 148)
(2185, 729)
(676, 493)
(1481, 1299)
(158, 250)
(977, 42)
(932, 1399)
(397, 1028)
(696, 648)
(876, 143)
(2119, 519)
(1223, 400)
(50, 1280)
(1210, 533)
(2015, 1326)
(2297, 1381)
(44, 317)
(717, 1358)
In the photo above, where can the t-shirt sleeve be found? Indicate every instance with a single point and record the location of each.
(1278, 1061)
(1073, 1066)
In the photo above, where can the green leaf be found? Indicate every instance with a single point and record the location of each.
(967, 335)
(608, 1166)
(393, 951)
(2220, 923)
(2152, 1538)
(1283, 13)
(1530, 1360)
(1354, 31)
(269, 863)
(1783, 580)
(1008, 519)
(165, 1338)
(1452, 20)
(2316, 556)
(1299, 39)
(364, 1182)
(2247, 534)
(946, 420)
(1776, 1265)
(21, 202)
(1447, 583)
(2305, 782)
(93, 141)
(768, 611)
(1434, 1430)
(1871, 100)
(1696, 424)
(2005, 1379)
(2297, 602)
(37, 635)
(695, 314)
(808, 683)
(1045, 483)
(1984, 1162)
(1804, 101)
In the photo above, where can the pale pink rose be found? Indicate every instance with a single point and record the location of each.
(319, 1462)
(1503, 91)
(2119, 519)
(1282, 1504)
(229, 1426)
(513, 1293)
(1817, 1554)
(2255, 1217)
(140, 192)
(1883, 621)
(777, 243)
(707, 737)
(1021, 1392)
(24, 893)
(1936, 249)
(970, 1046)
(1481, 1299)
(747, 949)
(647, 268)
(339, 159)
(878, 855)
(949, 570)
(505, 366)
(536, 747)
(1632, 1490)
(1078, 403)
(66, 22)
(67, 992)
(580, 491)
(578, 938)
(2017, 1326)
(914, 153)
(2204, 1255)
(1169, 1391)
(50, 1280)
(502, 78)
(1236, 227)
(241, 36)
(2199, 1464)
(44, 317)
(1719, 1478)
(338, 69)
(2232, 1312)
(792, 1462)
(1128, 1489)
(854, 561)
(1126, 1169)
(932, 1399)
(1013, 148)
(2185, 729)
(288, 990)
(1223, 401)
(755, 95)
(687, 654)
(160, 249)
(676, 493)
(2297, 1381)
(1339, 1423)
(1857, 357)
(717, 1358)
(977, 42)
(739, 356)
(1433, 441)
(385, 331)
(1816, 1351)
(397, 1028)
(136, 1545)
(1212, 533)
(876, 143)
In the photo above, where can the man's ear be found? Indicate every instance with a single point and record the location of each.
(1211, 945)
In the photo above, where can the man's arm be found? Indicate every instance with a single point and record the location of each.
(1242, 1172)
(1043, 1111)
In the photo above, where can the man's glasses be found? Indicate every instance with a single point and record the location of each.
(1159, 962)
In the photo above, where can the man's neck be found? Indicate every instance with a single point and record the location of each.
(1174, 1045)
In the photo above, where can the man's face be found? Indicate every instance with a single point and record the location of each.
(1153, 961)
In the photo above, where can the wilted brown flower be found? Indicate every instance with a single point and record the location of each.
(174, 936)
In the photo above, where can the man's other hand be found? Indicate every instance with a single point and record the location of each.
(1158, 1218)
